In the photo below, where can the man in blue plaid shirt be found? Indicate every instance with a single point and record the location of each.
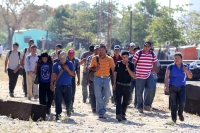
(76, 64)
(89, 82)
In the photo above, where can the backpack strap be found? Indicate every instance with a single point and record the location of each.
(171, 66)
(25, 50)
(19, 54)
(97, 59)
(152, 55)
(9, 53)
(140, 53)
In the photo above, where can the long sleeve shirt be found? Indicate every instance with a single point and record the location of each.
(30, 62)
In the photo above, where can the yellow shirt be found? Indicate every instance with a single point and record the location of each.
(105, 64)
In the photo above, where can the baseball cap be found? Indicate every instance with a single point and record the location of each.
(132, 44)
(71, 52)
(117, 47)
(96, 47)
(91, 48)
(31, 40)
(63, 57)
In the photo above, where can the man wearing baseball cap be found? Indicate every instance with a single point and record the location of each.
(62, 72)
(84, 56)
(131, 49)
(76, 64)
(89, 82)
(116, 57)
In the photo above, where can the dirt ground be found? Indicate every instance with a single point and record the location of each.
(84, 121)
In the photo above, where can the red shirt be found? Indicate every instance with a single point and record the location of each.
(116, 59)
(144, 65)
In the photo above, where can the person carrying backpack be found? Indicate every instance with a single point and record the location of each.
(62, 86)
(24, 53)
(30, 63)
(43, 71)
(12, 66)
(175, 84)
(144, 61)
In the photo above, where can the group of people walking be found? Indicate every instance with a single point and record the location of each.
(128, 70)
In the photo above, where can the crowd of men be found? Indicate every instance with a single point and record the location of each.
(58, 74)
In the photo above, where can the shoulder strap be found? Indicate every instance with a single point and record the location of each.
(152, 55)
(60, 73)
(25, 50)
(171, 67)
(140, 53)
(97, 59)
(19, 54)
(9, 53)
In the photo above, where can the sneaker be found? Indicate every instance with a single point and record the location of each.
(29, 98)
(48, 111)
(147, 108)
(94, 111)
(119, 118)
(174, 120)
(58, 117)
(11, 95)
(140, 110)
(68, 113)
(181, 118)
(124, 118)
(102, 117)
(36, 97)
(84, 100)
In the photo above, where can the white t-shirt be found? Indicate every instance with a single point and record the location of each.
(1, 49)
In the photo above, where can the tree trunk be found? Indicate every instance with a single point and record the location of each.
(10, 37)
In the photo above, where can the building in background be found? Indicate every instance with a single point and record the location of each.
(23, 37)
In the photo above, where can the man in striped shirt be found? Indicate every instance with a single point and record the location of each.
(144, 61)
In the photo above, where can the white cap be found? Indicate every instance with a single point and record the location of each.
(132, 44)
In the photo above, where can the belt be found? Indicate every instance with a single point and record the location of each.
(102, 76)
(124, 84)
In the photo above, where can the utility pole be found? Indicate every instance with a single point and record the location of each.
(130, 32)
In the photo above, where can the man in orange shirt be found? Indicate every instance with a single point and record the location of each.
(102, 79)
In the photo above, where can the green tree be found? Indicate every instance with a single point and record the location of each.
(2, 37)
(190, 25)
(165, 28)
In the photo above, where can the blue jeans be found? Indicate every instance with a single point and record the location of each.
(140, 85)
(102, 93)
(92, 95)
(84, 87)
(151, 94)
(65, 92)
(177, 100)
(133, 82)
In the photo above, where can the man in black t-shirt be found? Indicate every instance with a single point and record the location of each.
(124, 70)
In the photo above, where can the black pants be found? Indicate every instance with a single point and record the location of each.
(73, 90)
(12, 80)
(122, 91)
(177, 100)
(24, 85)
(92, 95)
(45, 92)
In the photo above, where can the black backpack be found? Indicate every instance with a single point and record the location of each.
(11, 52)
(140, 53)
(172, 65)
